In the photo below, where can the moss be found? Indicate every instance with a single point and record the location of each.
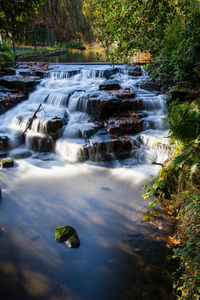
(7, 162)
(68, 235)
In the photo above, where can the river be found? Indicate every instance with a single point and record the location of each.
(121, 257)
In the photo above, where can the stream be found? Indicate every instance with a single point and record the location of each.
(76, 168)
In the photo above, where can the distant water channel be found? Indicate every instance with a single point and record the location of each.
(90, 54)
(121, 257)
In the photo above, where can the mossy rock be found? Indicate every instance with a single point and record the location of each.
(7, 163)
(68, 235)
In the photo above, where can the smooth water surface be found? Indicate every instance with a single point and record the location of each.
(90, 54)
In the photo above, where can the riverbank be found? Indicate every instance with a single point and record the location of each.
(35, 54)
(177, 186)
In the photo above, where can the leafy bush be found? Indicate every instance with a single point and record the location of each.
(7, 56)
(184, 120)
(188, 284)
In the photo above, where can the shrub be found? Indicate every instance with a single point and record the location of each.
(7, 57)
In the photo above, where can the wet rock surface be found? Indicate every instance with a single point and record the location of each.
(9, 99)
(17, 82)
(21, 83)
(4, 142)
(110, 85)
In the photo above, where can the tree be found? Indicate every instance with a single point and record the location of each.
(67, 17)
(132, 25)
(15, 15)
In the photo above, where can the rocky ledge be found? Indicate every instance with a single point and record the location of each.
(16, 85)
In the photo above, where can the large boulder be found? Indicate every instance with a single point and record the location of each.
(68, 235)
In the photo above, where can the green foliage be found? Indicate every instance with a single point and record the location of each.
(188, 284)
(169, 30)
(16, 15)
(7, 56)
(184, 120)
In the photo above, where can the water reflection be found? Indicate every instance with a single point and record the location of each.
(90, 54)
(120, 257)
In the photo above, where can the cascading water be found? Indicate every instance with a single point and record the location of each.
(120, 256)
(71, 94)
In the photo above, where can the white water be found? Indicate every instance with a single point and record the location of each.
(102, 200)
(64, 94)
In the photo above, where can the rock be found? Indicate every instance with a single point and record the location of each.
(21, 153)
(54, 125)
(109, 105)
(110, 85)
(105, 148)
(39, 73)
(135, 71)
(124, 125)
(19, 82)
(126, 94)
(3, 154)
(68, 235)
(8, 100)
(151, 85)
(9, 71)
(40, 143)
(7, 163)
(110, 72)
(4, 140)
(25, 73)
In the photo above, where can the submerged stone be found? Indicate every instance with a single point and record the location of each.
(68, 235)
(7, 163)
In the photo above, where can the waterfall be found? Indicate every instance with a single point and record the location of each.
(72, 120)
